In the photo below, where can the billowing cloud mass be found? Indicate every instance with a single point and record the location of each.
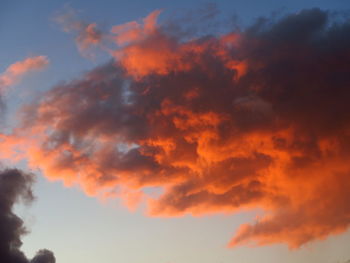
(258, 118)
(14, 73)
(15, 186)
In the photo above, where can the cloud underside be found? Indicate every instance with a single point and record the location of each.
(253, 119)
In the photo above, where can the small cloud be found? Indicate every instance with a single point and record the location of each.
(87, 35)
(14, 73)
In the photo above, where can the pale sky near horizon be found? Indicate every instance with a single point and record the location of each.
(79, 228)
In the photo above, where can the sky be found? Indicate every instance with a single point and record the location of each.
(174, 131)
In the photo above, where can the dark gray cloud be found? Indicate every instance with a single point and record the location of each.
(44, 256)
(15, 187)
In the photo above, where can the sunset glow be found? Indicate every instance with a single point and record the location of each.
(175, 119)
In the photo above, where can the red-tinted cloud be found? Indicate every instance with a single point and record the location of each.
(14, 73)
(243, 120)
(145, 49)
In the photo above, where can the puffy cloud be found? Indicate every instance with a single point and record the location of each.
(243, 120)
(15, 186)
(135, 31)
(44, 256)
(144, 49)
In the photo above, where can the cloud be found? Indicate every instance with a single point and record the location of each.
(87, 35)
(14, 73)
(144, 49)
(44, 256)
(135, 31)
(257, 118)
(15, 186)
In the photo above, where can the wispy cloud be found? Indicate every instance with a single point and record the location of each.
(87, 35)
(14, 73)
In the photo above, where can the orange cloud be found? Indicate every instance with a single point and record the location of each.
(243, 120)
(14, 73)
(135, 31)
(144, 49)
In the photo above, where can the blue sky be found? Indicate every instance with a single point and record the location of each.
(79, 228)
